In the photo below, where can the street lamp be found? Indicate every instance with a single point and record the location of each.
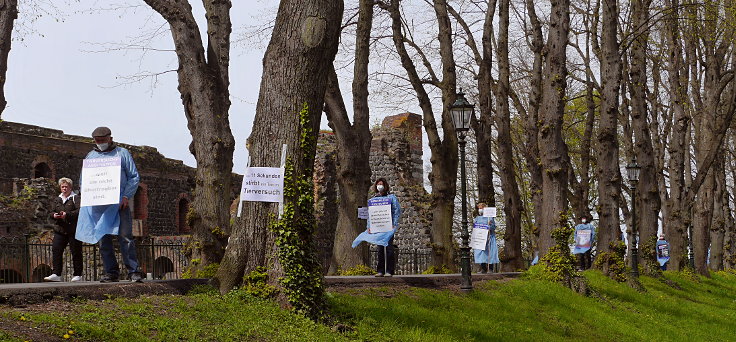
(633, 172)
(462, 112)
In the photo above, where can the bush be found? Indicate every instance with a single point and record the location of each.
(359, 270)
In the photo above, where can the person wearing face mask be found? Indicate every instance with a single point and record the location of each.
(65, 210)
(102, 222)
(488, 256)
(386, 265)
(584, 238)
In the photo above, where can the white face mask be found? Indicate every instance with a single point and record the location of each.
(103, 147)
(380, 187)
(583, 220)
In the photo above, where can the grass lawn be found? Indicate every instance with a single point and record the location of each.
(686, 308)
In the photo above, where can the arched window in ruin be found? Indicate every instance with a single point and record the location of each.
(140, 203)
(41, 170)
(181, 223)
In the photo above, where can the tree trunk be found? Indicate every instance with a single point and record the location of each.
(649, 204)
(678, 217)
(512, 259)
(8, 14)
(531, 128)
(607, 156)
(444, 155)
(551, 143)
(203, 84)
(720, 215)
(295, 71)
(354, 144)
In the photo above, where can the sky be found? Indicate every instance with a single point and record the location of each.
(66, 71)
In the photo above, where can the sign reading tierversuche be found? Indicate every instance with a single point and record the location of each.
(263, 184)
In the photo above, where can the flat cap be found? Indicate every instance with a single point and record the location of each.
(101, 132)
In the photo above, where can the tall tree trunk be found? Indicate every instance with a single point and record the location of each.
(720, 215)
(607, 166)
(444, 156)
(512, 259)
(8, 14)
(649, 204)
(532, 154)
(678, 216)
(203, 84)
(551, 143)
(354, 145)
(295, 71)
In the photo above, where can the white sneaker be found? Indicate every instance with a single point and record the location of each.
(77, 278)
(388, 275)
(52, 277)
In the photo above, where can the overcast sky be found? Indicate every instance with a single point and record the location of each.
(55, 79)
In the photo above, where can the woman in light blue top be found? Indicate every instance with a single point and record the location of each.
(489, 255)
(383, 239)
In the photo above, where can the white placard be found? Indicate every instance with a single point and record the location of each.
(489, 212)
(379, 211)
(263, 184)
(100, 181)
(363, 213)
(582, 238)
(479, 238)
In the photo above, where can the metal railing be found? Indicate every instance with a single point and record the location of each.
(26, 260)
(408, 261)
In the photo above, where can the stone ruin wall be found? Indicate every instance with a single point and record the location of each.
(40, 156)
(396, 155)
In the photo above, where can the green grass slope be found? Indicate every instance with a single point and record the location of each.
(680, 307)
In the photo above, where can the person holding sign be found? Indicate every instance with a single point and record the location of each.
(65, 210)
(109, 180)
(663, 252)
(483, 240)
(384, 211)
(584, 237)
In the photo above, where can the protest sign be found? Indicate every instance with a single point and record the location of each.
(582, 238)
(480, 236)
(100, 181)
(263, 184)
(363, 213)
(379, 211)
(489, 212)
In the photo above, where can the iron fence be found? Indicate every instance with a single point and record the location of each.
(27, 260)
(408, 261)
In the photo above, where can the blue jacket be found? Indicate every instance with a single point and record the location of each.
(584, 226)
(382, 238)
(97, 221)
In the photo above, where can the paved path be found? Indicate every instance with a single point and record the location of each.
(30, 293)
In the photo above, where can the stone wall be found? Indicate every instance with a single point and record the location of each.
(396, 155)
(31, 152)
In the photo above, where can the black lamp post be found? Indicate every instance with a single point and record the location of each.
(633, 172)
(462, 112)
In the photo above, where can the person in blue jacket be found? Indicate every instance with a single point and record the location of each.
(663, 252)
(488, 256)
(584, 238)
(102, 222)
(386, 265)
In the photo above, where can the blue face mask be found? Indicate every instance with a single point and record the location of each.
(103, 147)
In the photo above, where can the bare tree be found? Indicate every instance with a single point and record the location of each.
(295, 72)
(354, 144)
(8, 14)
(203, 84)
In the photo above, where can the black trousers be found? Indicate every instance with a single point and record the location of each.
(386, 260)
(57, 252)
(584, 260)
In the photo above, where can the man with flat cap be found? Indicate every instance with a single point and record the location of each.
(102, 222)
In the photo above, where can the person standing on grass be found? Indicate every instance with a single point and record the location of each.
(65, 211)
(103, 222)
(384, 240)
(489, 255)
(584, 238)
